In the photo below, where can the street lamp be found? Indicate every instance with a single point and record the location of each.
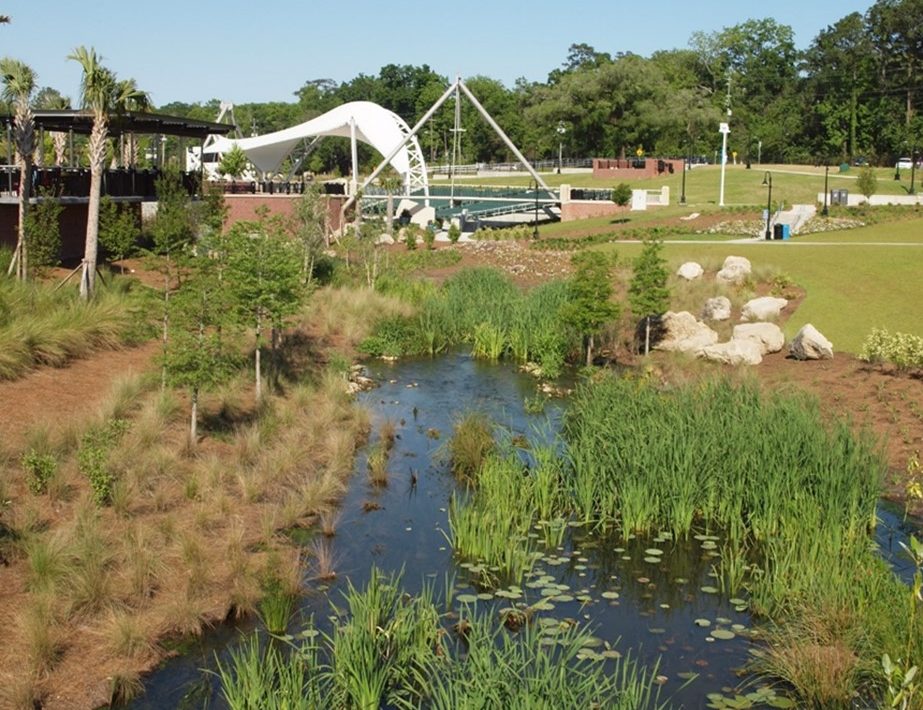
(913, 171)
(826, 211)
(682, 197)
(767, 180)
(561, 129)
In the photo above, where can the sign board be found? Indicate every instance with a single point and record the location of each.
(724, 128)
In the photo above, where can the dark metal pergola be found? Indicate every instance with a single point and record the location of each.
(135, 122)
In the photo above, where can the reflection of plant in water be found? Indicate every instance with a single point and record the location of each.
(914, 485)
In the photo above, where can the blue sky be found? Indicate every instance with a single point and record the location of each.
(264, 51)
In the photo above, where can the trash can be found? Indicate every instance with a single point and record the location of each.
(777, 231)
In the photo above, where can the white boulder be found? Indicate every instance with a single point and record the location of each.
(763, 308)
(768, 336)
(683, 333)
(718, 308)
(810, 344)
(690, 271)
(735, 270)
(734, 352)
(385, 238)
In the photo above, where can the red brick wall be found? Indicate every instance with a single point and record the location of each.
(244, 207)
(571, 211)
(623, 170)
(73, 222)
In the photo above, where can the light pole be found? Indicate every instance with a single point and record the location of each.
(724, 129)
(826, 211)
(913, 171)
(767, 180)
(682, 196)
(561, 129)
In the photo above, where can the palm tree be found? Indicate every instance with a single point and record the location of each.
(96, 90)
(18, 85)
(58, 138)
(128, 97)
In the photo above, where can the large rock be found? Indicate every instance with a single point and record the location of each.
(736, 270)
(718, 308)
(763, 308)
(683, 333)
(734, 352)
(810, 344)
(769, 336)
(690, 271)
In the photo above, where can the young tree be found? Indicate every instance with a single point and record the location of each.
(233, 163)
(197, 356)
(647, 292)
(173, 230)
(18, 85)
(310, 227)
(43, 231)
(264, 277)
(118, 229)
(589, 291)
(867, 182)
(96, 89)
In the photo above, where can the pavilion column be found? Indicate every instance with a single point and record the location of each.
(354, 185)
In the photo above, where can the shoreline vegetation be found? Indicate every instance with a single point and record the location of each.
(120, 536)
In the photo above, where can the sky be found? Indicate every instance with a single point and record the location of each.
(264, 51)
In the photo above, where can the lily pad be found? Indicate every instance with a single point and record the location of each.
(702, 622)
(653, 552)
(610, 595)
(723, 634)
(710, 590)
(653, 560)
(467, 598)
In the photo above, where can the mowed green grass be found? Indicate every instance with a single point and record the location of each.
(851, 288)
(790, 183)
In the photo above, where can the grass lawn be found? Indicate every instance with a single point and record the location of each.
(851, 288)
(790, 183)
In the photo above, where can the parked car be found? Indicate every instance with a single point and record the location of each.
(904, 164)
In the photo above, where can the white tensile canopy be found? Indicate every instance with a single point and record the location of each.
(359, 121)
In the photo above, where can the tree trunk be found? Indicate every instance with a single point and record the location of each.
(59, 140)
(24, 138)
(194, 419)
(589, 350)
(25, 192)
(389, 215)
(647, 335)
(165, 334)
(256, 361)
(97, 151)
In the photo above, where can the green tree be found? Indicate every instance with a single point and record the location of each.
(118, 228)
(233, 163)
(96, 88)
(264, 270)
(18, 85)
(311, 229)
(648, 293)
(589, 305)
(867, 182)
(198, 355)
(43, 231)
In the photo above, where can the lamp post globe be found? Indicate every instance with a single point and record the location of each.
(561, 130)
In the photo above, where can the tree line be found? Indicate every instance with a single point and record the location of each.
(856, 91)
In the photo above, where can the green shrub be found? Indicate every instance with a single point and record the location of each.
(393, 337)
(903, 350)
(454, 233)
(39, 469)
(93, 457)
